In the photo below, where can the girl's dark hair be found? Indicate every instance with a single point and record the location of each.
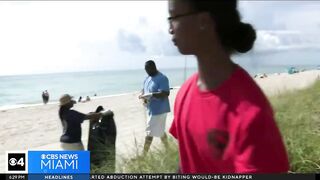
(233, 34)
(62, 110)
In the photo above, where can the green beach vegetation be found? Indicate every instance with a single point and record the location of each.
(298, 117)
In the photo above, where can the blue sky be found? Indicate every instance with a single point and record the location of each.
(57, 36)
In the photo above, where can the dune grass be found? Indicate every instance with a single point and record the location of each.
(157, 160)
(298, 117)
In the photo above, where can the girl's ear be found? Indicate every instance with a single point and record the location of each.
(205, 21)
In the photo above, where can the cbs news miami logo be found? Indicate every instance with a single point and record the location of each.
(48, 162)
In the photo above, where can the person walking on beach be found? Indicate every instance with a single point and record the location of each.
(222, 120)
(71, 122)
(45, 97)
(155, 94)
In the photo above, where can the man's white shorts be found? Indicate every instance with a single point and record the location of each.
(156, 125)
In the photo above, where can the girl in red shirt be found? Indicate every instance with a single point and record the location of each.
(222, 120)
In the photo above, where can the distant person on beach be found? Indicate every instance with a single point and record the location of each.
(222, 120)
(292, 70)
(45, 96)
(71, 122)
(80, 98)
(155, 94)
(88, 98)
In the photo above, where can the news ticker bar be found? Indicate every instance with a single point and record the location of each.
(160, 176)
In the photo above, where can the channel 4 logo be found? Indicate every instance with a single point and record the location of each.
(17, 162)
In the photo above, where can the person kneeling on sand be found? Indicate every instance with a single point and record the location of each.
(71, 122)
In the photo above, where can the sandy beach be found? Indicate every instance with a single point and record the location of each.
(39, 127)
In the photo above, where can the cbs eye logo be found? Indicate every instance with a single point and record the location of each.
(16, 161)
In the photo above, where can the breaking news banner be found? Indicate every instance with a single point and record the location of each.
(203, 176)
(75, 165)
(166, 176)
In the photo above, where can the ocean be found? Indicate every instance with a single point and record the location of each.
(26, 90)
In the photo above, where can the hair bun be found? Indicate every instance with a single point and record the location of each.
(244, 36)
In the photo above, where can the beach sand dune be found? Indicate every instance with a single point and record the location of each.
(279, 83)
(39, 127)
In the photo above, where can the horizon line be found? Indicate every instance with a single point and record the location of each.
(87, 71)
